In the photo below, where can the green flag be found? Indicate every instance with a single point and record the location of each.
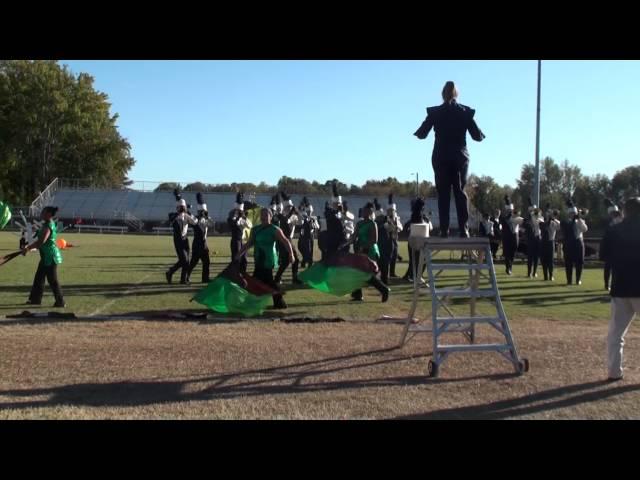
(336, 280)
(5, 214)
(224, 296)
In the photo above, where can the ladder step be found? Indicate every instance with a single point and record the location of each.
(477, 243)
(474, 347)
(459, 266)
(465, 292)
(469, 319)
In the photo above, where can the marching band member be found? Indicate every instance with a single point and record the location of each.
(348, 222)
(308, 226)
(384, 241)
(180, 222)
(335, 236)
(238, 222)
(200, 250)
(534, 237)
(417, 217)
(393, 226)
(288, 220)
(615, 217)
(510, 222)
(323, 232)
(497, 233)
(486, 227)
(550, 228)
(573, 231)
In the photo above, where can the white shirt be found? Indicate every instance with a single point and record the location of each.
(580, 228)
(186, 220)
(293, 221)
(515, 223)
(488, 227)
(536, 220)
(348, 224)
(244, 222)
(554, 226)
(393, 226)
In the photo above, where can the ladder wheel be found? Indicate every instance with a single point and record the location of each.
(523, 366)
(433, 369)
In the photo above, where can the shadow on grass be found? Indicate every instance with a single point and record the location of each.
(547, 400)
(297, 379)
(247, 383)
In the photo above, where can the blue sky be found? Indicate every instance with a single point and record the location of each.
(225, 121)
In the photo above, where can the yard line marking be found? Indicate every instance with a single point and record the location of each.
(111, 302)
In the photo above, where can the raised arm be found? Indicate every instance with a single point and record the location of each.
(46, 233)
(425, 128)
(473, 128)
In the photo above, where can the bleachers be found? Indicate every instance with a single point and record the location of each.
(100, 229)
(154, 207)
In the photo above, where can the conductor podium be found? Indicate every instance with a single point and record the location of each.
(471, 257)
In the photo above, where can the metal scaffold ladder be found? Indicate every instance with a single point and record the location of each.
(478, 262)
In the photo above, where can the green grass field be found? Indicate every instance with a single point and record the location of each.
(156, 365)
(115, 274)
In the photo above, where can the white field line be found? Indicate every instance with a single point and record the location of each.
(113, 301)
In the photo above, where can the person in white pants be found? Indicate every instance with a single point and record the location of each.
(620, 249)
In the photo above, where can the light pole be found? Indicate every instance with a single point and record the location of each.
(417, 184)
(536, 190)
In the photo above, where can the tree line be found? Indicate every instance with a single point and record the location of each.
(379, 188)
(558, 183)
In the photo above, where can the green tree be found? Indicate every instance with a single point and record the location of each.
(485, 194)
(168, 187)
(626, 183)
(55, 124)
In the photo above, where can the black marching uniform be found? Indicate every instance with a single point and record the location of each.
(200, 247)
(237, 223)
(486, 229)
(450, 159)
(287, 224)
(180, 225)
(548, 245)
(573, 248)
(385, 246)
(607, 265)
(534, 238)
(305, 240)
(510, 239)
(414, 256)
(335, 235)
